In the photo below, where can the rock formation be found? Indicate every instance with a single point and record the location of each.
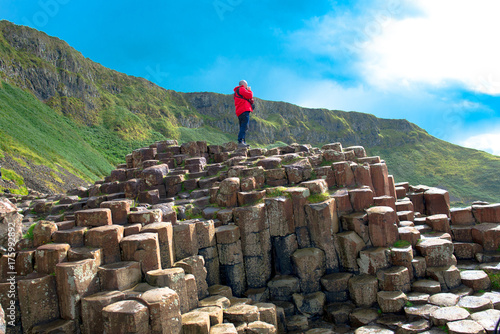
(198, 238)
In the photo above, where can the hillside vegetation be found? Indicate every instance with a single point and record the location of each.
(66, 120)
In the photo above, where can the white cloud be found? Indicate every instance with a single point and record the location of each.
(452, 41)
(489, 142)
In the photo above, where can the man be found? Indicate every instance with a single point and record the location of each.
(243, 100)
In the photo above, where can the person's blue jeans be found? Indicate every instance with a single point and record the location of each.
(244, 119)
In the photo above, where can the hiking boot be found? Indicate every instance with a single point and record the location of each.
(243, 145)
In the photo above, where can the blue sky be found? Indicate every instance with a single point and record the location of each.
(435, 63)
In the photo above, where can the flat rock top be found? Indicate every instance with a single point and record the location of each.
(373, 330)
(488, 319)
(475, 303)
(126, 307)
(379, 210)
(465, 327)
(140, 236)
(444, 299)
(423, 311)
(450, 313)
(473, 274)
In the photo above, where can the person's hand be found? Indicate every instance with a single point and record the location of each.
(248, 87)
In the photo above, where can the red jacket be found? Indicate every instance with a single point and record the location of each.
(242, 105)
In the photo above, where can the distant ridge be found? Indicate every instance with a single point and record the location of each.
(107, 114)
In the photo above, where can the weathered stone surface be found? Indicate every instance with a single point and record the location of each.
(24, 262)
(439, 223)
(357, 222)
(185, 240)
(410, 234)
(164, 310)
(195, 265)
(488, 319)
(216, 300)
(310, 305)
(279, 213)
(422, 311)
(372, 329)
(49, 255)
(310, 267)
(385, 200)
(108, 239)
(391, 301)
(437, 201)
(215, 313)
(258, 270)
(260, 327)
(283, 287)
(145, 217)
(298, 323)
(361, 198)
(42, 233)
(143, 248)
(242, 313)
(437, 252)
(380, 179)
(173, 278)
(475, 279)
(465, 327)
(229, 186)
(418, 298)
(363, 316)
(154, 175)
(338, 313)
(323, 224)
(462, 216)
(75, 280)
(120, 275)
(11, 225)
(231, 253)
(251, 219)
(93, 217)
(82, 253)
(363, 290)
(283, 248)
(373, 259)
(382, 226)
(92, 309)
(299, 197)
(226, 328)
(349, 244)
(444, 299)
(343, 174)
(119, 211)
(394, 279)
(447, 314)
(426, 286)
(447, 276)
(487, 213)
(466, 250)
(166, 241)
(487, 235)
(317, 186)
(475, 304)
(74, 237)
(38, 300)
(234, 276)
(127, 316)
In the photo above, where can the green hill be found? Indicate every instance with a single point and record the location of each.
(66, 120)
